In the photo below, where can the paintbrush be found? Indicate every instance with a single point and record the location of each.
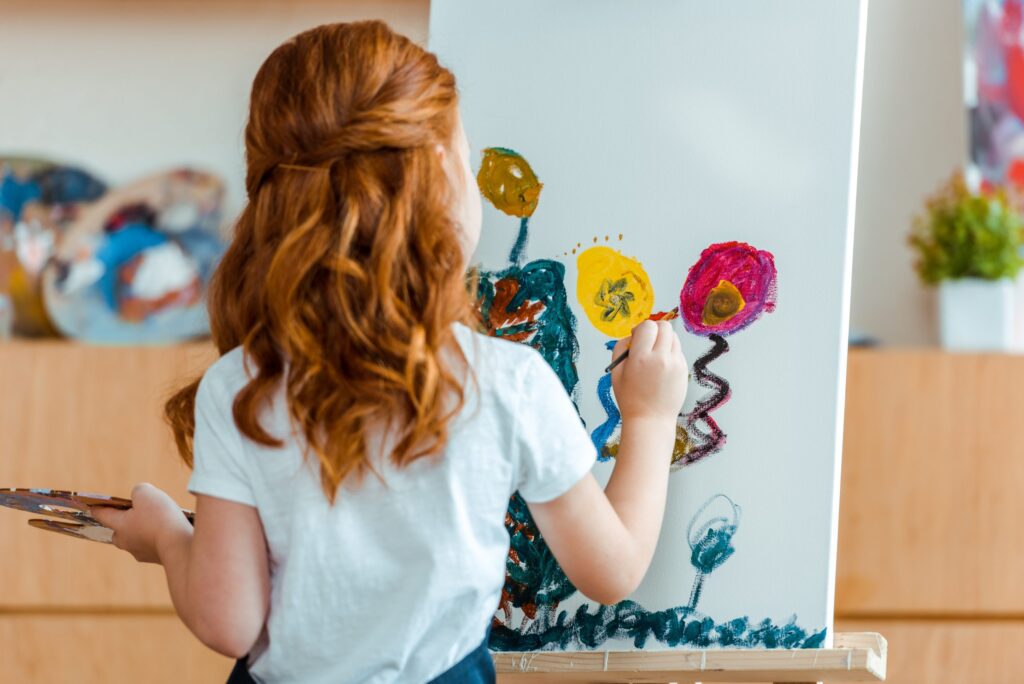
(619, 359)
(662, 316)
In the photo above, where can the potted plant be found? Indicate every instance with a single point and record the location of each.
(969, 245)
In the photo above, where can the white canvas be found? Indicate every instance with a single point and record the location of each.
(660, 128)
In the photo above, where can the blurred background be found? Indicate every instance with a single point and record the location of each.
(121, 167)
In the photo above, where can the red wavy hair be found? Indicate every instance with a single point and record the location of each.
(345, 273)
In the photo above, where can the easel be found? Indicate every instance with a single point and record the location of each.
(855, 657)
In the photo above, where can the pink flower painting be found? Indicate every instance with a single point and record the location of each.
(728, 288)
(731, 286)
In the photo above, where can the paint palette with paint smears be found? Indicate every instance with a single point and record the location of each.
(70, 508)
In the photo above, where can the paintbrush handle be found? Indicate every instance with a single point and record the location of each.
(619, 359)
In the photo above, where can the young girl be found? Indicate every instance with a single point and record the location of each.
(355, 446)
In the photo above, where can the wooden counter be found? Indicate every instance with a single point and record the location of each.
(89, 418)
(933, 485)
(86, 418)
(930, 545)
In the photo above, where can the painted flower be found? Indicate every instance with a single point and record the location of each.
(728, 288)
(512, 317)
(508, 182)
(614, 298)
(614, 291)
(711, 541)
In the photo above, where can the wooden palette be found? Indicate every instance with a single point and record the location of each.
(71, 510)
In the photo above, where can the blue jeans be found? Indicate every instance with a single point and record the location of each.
(475, 668)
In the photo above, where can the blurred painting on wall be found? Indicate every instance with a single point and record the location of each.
(994, 94)
(133, 267)
(122, 265)
(39, 200)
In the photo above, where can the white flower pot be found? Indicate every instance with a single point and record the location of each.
(976, 314)
(1018, 314)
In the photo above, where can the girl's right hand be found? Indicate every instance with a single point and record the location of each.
(651, 382)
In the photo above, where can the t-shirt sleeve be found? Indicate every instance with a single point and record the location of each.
(554, 449)
(218, 456)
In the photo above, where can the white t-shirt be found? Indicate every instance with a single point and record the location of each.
(395, 582)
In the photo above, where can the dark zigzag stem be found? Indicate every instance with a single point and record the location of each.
(712, 439)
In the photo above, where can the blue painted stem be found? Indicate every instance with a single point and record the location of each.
(519, 249)
(603, 432)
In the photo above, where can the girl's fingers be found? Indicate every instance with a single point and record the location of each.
(105, 515)
(144, 490)
(644, 337)
(663, 343)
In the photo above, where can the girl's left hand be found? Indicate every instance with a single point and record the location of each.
(141, 530)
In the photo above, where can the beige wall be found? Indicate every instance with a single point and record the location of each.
(127, 87)
(68, 69)
(913, 136)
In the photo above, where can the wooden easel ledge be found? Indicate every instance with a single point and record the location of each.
(855, 657)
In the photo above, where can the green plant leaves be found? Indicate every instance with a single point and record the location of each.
(962, 235)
